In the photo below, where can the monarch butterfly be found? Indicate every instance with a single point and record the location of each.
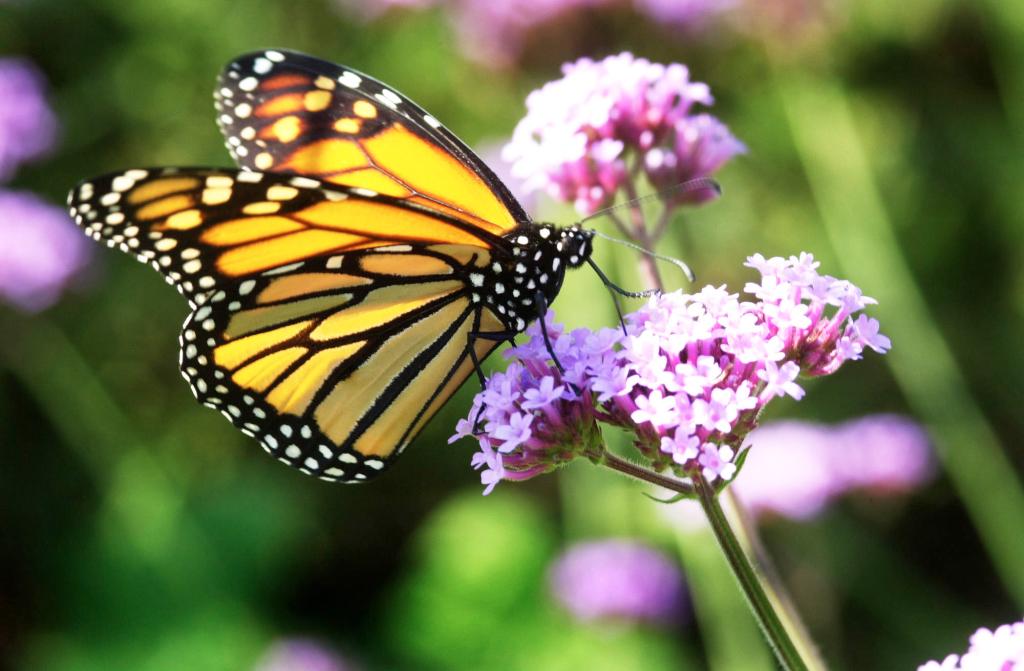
(349, 277)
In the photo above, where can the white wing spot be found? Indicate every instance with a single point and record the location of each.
(121, 183)
(350, 79)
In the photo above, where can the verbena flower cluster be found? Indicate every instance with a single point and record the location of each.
(999, 650)
(687, 376)
(586, 135)
(797, 468)
(28, 127)
(617, 579)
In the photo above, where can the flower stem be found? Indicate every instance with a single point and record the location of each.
(789, 651)
(638, 472)
(785, 650)
(774, 588)
(641, 236)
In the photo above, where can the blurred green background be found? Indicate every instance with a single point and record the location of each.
(141, 531)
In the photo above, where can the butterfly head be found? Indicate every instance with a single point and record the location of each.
(576, 245)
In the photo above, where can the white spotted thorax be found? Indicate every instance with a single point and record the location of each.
(520, 288)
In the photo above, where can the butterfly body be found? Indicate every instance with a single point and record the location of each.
(348, 279)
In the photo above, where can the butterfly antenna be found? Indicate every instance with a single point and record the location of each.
(683, 188)
(643, 250)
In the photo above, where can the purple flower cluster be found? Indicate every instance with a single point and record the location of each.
(687, 379)
(999, 650)
(42, 250)
(585, 135)
(617, 579)
(28, 126)
(796, 468)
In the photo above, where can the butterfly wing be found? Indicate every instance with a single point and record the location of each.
(205, 229)
(335, 366)
(283, 111)
(327, 322)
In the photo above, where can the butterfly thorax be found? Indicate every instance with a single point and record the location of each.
(519, 286)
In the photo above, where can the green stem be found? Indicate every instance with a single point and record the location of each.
(628, 468)
(750, 580)
(746, 532)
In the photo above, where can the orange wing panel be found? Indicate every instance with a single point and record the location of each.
(436, 174)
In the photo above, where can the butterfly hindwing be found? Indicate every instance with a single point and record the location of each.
(206, 228)
(334, 366)
(283, 111)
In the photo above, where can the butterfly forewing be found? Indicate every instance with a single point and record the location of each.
(204, 228)
(286, 112)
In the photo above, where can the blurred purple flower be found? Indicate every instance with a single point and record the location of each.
(617, 579)
(584, 133)
(687, 379)
(684, 13)
(796, 468)
(999, 650)
(28, 127)
(883, 453)
(494, 32)
(301, 654)
(42, 251)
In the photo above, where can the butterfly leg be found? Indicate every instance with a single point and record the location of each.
(473, 336)
(542, 305)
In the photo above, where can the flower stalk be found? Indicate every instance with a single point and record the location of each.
(784, 633)
(751, 581)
